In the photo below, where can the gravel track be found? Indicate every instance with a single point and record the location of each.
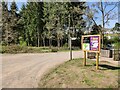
(25, 70)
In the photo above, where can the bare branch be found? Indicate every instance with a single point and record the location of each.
(94, 21)
(105, 6)
(111, 10)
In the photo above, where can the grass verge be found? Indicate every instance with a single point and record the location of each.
(72, 74)
(14, 49)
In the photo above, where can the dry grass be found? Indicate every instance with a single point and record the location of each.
(73, 74)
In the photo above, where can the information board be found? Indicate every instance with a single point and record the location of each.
(91, 43)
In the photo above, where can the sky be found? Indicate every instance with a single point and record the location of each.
(99, 22)
(112, 22)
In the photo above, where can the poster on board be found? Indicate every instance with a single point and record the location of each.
(86, 43)
(91, 43)
(94, 43)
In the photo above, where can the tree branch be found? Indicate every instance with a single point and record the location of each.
(111, 10)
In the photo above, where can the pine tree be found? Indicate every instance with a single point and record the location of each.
(49, 21)
(22, 25)
(5, 23)
(77, 10)
(32, 21)
(13, 23)
(0, 23)
(40, 22)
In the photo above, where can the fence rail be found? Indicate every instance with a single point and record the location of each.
(107, 53)
(115, 54)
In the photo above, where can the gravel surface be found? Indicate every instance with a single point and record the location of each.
(25, 70)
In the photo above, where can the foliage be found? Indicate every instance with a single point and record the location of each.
(117, 45)
(95, 29)
(54, 49)
(22, 42)
(117, 51)
(116, 39)
(56, 18)
(116, 29)
(10, 18)
(23, 49)
(41, 23)
(11, 49)
(65, 45)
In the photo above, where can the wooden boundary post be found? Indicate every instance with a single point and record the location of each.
(70, 48)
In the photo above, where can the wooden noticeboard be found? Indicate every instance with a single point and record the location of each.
(91, 43)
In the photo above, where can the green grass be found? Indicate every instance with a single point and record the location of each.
(72, 74)
(14, 49)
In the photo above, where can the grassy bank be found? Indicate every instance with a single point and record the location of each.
(14, 49)
(73, 74)
(18, 49)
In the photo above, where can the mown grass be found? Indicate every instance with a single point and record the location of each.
(73, 74)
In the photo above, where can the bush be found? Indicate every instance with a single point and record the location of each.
(63, 48)
(117, 51)
(117, 45)
(55, 49)
(65, 45)
(11, 49)
(22, 42)
(75, 48)
(14, 49)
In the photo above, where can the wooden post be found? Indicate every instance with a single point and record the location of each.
(84, 63)
(97, 61)
(70, 48)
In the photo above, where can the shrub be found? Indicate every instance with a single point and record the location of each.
(23, 49)
(75, 48)
(54, 49)
(63, 48)
(65, 45)
(11, 49)
(22, 42)
(117, 45)
(117, 51)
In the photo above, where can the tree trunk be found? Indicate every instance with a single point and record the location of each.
(61, 43)
(102, 40)
(44, 42)
(50, 42)
(38, 40)
(38, 37)
(58, 42)
(69, 33)
(103, 23)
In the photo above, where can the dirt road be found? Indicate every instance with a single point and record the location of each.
(25, 70)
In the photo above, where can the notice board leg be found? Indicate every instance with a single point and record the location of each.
(84, 63)
(97, 61)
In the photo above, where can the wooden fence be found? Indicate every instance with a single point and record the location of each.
(107, 53)
(115, 54)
